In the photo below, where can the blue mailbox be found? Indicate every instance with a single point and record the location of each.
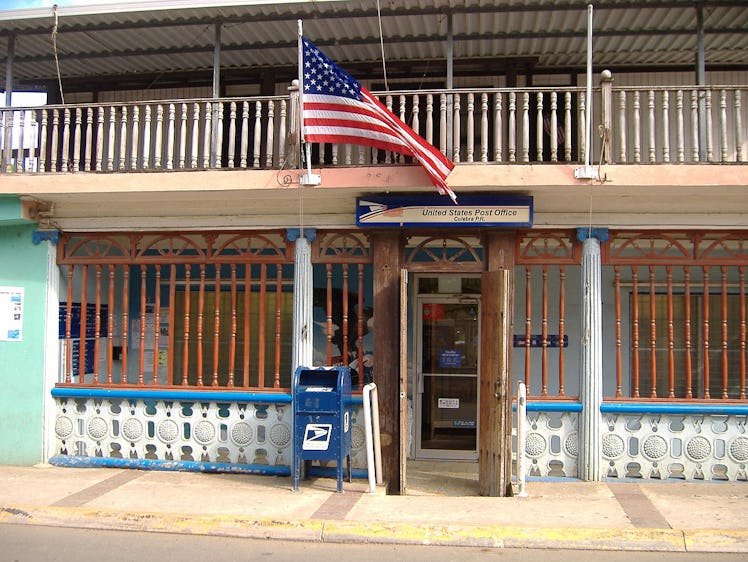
(322, 418)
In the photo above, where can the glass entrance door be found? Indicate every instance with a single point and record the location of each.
(447, 377)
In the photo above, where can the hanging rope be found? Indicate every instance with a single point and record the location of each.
(381, 44)
(57, 60)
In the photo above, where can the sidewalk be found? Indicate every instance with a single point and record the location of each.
(668, 516)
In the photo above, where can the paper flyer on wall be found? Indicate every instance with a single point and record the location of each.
(11, 313)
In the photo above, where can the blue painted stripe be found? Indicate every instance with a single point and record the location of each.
(680, 409)
(176, 395)
(184, 466)
(551, 406)
(180, 396)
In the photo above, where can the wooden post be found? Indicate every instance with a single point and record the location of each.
(495, 408)
(386, 255)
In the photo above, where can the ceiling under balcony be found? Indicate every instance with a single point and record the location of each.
(152, 41)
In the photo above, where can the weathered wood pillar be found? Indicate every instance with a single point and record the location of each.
(386, 258)
(495, 407)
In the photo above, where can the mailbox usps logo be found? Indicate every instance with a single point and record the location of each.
(317, 436)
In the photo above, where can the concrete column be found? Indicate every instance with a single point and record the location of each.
(303, 298)
(591, 383)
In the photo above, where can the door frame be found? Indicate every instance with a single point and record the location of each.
(418, 379)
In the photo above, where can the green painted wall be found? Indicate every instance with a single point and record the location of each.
(23, 264)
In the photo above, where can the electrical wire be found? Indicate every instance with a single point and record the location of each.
(381, 44)
(57, 60)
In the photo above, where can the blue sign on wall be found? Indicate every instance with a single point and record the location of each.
(471, 210)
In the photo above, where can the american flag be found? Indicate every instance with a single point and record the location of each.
(338, 109)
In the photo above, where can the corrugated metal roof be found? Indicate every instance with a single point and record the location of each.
(140, 38)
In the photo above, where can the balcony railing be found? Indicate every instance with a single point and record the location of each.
(501, 126)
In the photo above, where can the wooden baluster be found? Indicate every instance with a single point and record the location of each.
(582, 125)
(709, 129)
(143, 318)
(335, 154)
(20, 159)
(512, 135)
(666, 126)
(670, 334)
(554, 127)
(257, 135)
(159, 141)
(207, 133)
(561, 329)
(34, 126)
(200, 317)
(652, 333)
(619, 357)
(270, 141)
(232, 341)
(622, 127)
(694, 125)
(687, 328)
(216, 325)
(470, 127)
(725, 337)
(65, 156)
(328, 330)
(172, 319)
(345, 350)
(681, 127)
(125, 320)
(414, 116)
(741, 272)
(42, 142)
(498, 124)
(182, 137)
(219, 134)
(484, 127)
(123, 138)
(157, 325)
(388, 156)
(135, 138)
(89, 138)
(97, 324)
(430, 118)
(539, 128)
(723, 123)
(186, 333)
(705, 332)
(528, 324)
(278, 324)
(525, 127)
(232, 133)
(99, 158)
(637, 128)
(567, 126)
(739, 135)
(83, 326)
(111, 136)
(443, 123)
(652, 127)
(262, 327)
(148, 120)
(635, 328)
(170, 137)
(247, 322)
(195, 144)
(110, 327)
(55, 139)
(544, 335)
(244, 135)
(282, 134)
(69, 327)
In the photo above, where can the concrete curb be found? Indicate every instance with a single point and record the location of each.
(487, 536)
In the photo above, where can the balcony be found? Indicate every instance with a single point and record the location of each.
(684, 124)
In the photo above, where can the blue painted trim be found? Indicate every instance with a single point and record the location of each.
(585, 232)
(292, 234)
(183, 466)
(551, 406)
(39, 236)
(176, 395)
(679, 409)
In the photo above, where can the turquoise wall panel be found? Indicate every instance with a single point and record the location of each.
(23, 264)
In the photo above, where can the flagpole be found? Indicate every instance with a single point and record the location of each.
(307, 179)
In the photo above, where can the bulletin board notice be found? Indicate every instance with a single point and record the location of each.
(11, 313)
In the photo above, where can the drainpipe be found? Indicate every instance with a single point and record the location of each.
(591, 383)
(9, 69)
(450, 85)
(214, 156)
(302, 340)
(6, 153)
